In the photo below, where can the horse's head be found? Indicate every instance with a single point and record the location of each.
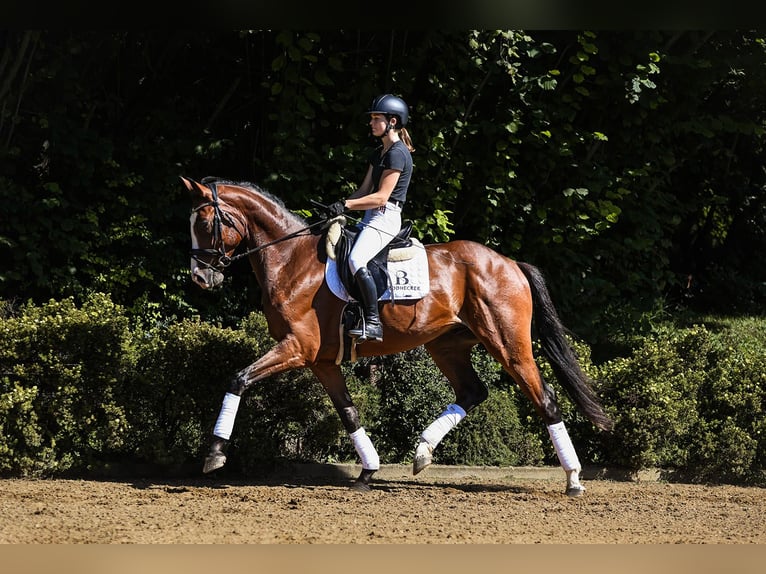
(215, 234)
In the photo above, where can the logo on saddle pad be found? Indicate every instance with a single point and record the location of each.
(407, 269)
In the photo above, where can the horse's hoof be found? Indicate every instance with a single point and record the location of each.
(360, 486)
(421, 463)
(575, 491)
(214, 462)
(423, 457)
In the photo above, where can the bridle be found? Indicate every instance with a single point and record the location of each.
(220, 260)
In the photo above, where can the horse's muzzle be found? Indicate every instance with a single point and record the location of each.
(206, 278)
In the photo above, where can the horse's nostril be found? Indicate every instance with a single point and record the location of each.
(198, 277)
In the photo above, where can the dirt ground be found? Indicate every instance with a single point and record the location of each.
(438, 509)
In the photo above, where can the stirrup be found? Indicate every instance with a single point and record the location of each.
(361, 334)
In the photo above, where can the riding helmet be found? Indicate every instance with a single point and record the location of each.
(391, 106)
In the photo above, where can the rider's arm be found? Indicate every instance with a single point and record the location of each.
(360, 201)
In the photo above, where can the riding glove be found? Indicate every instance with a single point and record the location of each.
(336, 209)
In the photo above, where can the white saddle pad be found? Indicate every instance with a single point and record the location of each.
(409, 278)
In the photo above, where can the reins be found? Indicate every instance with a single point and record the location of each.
(220, 218)
(284, 238)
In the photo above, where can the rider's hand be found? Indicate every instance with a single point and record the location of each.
(336, 209)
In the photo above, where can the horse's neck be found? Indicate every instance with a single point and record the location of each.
(285, 260)
(269, 227)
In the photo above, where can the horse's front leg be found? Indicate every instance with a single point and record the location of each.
(331, 377)
(282, 357)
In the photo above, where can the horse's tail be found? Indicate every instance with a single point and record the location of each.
(558, 351)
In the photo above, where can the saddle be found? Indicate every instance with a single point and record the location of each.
(339, 241)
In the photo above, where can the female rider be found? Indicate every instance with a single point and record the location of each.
(381, 195)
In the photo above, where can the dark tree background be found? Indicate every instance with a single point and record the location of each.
(628, 165)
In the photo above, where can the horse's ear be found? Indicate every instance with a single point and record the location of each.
(195, 188)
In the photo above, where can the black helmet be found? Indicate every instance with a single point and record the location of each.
(391, 106)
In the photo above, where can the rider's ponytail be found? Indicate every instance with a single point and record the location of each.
(405, 135)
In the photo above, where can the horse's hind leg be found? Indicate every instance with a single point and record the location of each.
(507, 339)
(522, 367)
(452, 354)
(546, 404)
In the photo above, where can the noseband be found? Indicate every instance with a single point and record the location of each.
(220, 260)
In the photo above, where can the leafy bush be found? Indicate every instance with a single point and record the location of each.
(81, 391)
(62, 368)
(181, 376)
(730, 444)
(690, 400)
(654, 397)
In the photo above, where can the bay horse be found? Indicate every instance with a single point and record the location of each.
(476, 296)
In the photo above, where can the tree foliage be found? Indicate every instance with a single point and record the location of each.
(627, 164)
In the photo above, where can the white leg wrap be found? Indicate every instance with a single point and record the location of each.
(365, 450)
(226, 417)
(564, 448)
(444, 423)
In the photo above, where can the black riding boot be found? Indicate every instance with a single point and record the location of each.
(369, 328)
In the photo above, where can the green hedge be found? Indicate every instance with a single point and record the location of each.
(61, 373)
(181, 374)
(90, 390)
(690, 400)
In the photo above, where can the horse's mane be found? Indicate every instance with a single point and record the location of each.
(257, 190)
